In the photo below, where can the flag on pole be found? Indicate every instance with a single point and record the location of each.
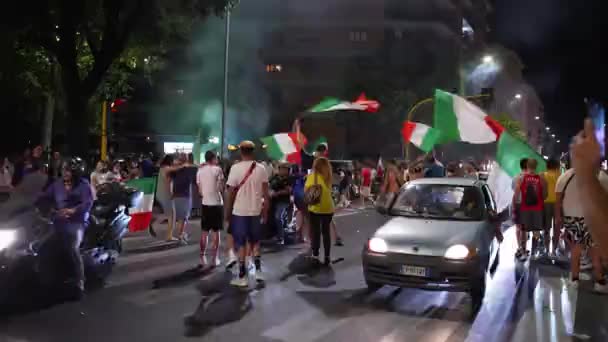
(141, 216)
(421, 135)
(510, 151)
(331, 104)
(460, 120)
(283, 147)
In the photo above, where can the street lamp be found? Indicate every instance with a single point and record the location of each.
(537, 118)
(487, 59)
(558, 141)
(518, 96)
(552, 135)
(548, 128)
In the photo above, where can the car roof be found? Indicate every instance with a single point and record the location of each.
(457, 181)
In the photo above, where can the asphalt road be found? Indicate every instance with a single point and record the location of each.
(529, 302)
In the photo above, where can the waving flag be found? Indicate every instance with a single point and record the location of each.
(421, 135)
(141, 216)
(460, 120)
(331, 104)
(283, 147)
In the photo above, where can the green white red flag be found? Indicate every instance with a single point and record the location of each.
(362, 103)
(461, 120)
(284, 147)
(421, 135)
(141, 216)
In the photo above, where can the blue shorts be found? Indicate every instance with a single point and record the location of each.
(245, 229)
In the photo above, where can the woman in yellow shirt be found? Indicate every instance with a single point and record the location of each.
(321, 214)
(551, 176)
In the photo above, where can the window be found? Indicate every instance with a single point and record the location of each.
(440, 201)
(358, 36)
(274, 67)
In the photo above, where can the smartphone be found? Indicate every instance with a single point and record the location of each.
(597, 113)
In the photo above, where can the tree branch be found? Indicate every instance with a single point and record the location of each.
(116, 34)
(91, 41)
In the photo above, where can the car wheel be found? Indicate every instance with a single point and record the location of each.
(478, 291)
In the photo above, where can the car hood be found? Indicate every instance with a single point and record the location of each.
(428, 236)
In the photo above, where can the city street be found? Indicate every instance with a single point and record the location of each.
(528, 302)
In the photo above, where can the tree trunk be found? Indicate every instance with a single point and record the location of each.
(77, 123)
(47, 126)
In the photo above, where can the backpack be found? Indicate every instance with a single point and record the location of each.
(531, 198)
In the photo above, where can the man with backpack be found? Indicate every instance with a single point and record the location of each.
(532, 189)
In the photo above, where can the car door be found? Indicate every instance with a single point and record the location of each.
(490, 239)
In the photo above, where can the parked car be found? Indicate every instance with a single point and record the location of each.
(440, 235)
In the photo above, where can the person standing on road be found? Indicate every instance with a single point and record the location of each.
(280, 193)
(163, 194)
(321, 214)
(210, 180)
(551, 176)
(184, 179)
(570, 214)
(515, 207)
(533, 191)
(246, 208)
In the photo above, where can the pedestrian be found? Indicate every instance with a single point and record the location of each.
(114, 174)
(6, 179)
(321, 213)
(593, 194)
(184, 178)
(416, 171)
(569, 213)
(366, 184)
(432, 167)
(210, 180)
(516, 204)
(247, 208)
(533, 191)
(55, 166)
(163, 194)
(551, 176)
(280, 195)
(392, 180)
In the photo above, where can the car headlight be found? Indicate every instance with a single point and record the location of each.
(7, 238)
(457, 252)
(378, 245)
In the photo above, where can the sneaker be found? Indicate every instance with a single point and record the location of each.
(584, 276)
(240, 282)
(259, 276)
(586, 264)
(232, 260)
(599, 288)
(203, 261)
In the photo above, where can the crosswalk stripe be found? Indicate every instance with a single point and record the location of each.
(307, 326)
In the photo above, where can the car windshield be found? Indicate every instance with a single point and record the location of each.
(440, 201)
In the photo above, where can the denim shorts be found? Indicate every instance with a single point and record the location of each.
(245, 229)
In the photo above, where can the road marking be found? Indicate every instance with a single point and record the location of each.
(155, 297)
(150, 274)
(307, 326)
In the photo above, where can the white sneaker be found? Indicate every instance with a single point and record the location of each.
(204, 260)
(584, 276)
(240, 282)
(573, 283)
(599, 288)
(232, 260)
(586, 264)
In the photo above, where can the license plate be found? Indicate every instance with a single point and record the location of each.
(414, 271)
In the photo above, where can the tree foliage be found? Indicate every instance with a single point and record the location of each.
(98, 44)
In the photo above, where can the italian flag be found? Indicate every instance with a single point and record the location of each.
(362, 103)
(510, 151)
(460, 120)
(141, 216)
(284, 147)
(421, 135)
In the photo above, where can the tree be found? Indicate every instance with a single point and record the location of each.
(93, 40)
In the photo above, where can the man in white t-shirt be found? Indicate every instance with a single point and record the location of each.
(247, 208)
(569, 214)
(210, 181)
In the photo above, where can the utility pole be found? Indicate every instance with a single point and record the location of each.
(225, 102)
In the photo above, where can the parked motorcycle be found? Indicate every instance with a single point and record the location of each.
(30, 263)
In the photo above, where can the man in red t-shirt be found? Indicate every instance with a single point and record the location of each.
(533, 190)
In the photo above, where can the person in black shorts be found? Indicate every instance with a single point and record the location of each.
(210, 181)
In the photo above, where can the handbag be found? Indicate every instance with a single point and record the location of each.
(312, 195)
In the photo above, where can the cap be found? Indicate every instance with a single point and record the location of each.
(247, 144)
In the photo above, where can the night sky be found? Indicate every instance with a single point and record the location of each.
(560, 43)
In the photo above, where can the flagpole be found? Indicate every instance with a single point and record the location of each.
(225, 99)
